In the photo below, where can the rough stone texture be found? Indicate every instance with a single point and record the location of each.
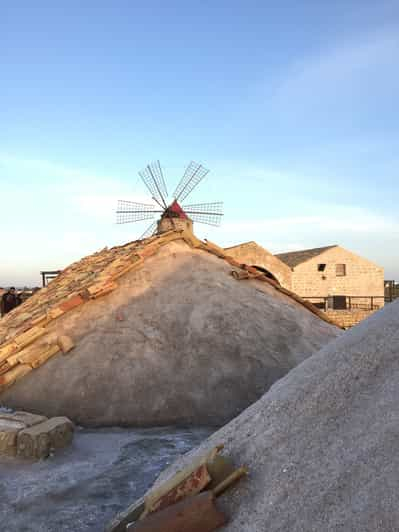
(178, 342)
(173, 224)
(11, 423)
(253, 254)
(363, 277)
(38, 441)
(349, 318)
(26, 418)
(8, 435)
(322, 446)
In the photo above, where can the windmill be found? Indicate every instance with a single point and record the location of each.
(173, 214)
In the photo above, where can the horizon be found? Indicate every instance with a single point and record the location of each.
(292, 108)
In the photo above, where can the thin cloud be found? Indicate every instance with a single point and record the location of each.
(352, 220)
(342, 73)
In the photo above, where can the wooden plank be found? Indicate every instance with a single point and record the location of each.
(229, 481)
(193, 514)
(191, 485)
(159, 492)
(122, 519)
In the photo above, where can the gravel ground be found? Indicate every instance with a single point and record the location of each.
(84, 486)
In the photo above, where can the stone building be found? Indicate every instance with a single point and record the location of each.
(347, 286)
(255, 255)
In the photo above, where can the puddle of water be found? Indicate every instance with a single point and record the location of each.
(82, 487)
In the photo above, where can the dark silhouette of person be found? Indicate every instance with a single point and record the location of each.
(9, 300)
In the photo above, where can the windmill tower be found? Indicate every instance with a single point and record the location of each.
(173, 214)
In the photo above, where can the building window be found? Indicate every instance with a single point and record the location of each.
(321, 267)
(340, 270)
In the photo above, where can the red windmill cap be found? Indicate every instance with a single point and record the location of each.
(176, 209)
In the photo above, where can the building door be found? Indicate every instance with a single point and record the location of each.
(339, 302)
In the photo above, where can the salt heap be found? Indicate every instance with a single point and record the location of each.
(154, 332)
(322, 446)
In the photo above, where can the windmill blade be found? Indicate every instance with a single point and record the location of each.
(205, 213)
(149, 231)
(193, 174)
(153, 179)
(130, 211)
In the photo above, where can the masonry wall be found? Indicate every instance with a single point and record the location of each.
(349, 318)
(363, 278)
(174, 224)
(253, 254)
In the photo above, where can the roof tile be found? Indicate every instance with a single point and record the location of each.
(294, 258)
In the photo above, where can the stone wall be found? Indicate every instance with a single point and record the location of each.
(253, 254)
(349, 318)
(362, 278)
(174, 224)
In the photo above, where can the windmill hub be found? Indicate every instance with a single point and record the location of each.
(174, 216)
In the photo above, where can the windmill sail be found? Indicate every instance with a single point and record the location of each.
(130, 211)
(151, 229)
(152, 177)
(193, 174)
(205, 213)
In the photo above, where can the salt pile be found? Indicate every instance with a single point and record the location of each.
(322, 445)
(178, 340)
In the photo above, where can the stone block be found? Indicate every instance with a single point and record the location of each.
(9, 430)
(26, 418)
(39, 440)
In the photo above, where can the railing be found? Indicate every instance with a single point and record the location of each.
(391, 291)
(368, 303)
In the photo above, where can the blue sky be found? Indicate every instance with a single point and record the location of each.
(292, 105)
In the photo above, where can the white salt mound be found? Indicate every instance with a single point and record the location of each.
(178, 342)
(322, 445)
